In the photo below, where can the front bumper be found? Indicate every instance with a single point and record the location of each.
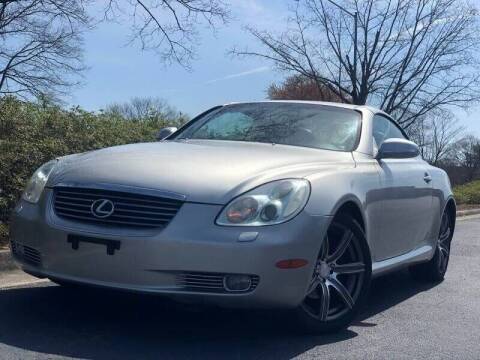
(191, 243)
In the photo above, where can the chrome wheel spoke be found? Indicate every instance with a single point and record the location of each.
(445, 236)
(440, 257)
(443, 253)
(325, 301)
(444, 250)
(324, 249)
(352, 268)
(342, 246)
(313, 285)
(342, 291)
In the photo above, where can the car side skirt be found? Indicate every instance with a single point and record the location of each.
(422, 254)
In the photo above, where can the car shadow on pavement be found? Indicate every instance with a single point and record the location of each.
(93, 324)
(388, 291)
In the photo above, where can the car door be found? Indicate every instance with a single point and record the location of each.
(406, 197)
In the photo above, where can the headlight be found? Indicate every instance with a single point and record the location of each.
(37, 182)
(269, 204)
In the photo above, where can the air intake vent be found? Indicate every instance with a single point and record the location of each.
(124, 209)
(27, 254)
(208, 282)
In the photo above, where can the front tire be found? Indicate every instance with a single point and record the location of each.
(340, 280)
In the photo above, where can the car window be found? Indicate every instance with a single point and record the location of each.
(317, 126)
(228, 126)
(384, 129)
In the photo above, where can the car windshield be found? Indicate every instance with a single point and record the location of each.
(308, 125)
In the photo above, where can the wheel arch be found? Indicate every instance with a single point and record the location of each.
(351, 206)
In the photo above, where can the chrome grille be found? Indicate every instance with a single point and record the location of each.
(26, 253)
(207, 282)
(130, 209)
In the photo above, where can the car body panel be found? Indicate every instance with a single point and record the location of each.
(203, 170)
(191, 242)
(406, 215)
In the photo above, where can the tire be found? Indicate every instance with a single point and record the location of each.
(435, 269)
(340, 280)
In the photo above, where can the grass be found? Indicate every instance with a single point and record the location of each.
(467, 194)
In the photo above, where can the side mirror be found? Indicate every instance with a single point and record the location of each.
(397, 149)
(166, 132)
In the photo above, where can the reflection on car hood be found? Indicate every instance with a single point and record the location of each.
(202, 170)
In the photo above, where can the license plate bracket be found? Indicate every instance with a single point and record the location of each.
(111, 245)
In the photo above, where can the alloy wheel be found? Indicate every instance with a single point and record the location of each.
(338, 275)
(443, 243)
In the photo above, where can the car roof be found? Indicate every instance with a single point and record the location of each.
(324, 103)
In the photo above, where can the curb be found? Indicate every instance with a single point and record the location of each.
(468, 212)
(6, 261)
(24, 283)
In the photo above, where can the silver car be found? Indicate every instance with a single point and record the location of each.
(283, 204)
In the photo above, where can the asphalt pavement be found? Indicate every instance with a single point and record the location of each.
(404, 319)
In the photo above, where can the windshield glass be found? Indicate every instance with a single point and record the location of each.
(309, 125)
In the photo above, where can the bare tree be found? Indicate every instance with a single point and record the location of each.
(139, 108)
(40, 45)
(298, 87)
(436, 134)
(168, 27)
(41, 40)
(467, 155)
(413, 56)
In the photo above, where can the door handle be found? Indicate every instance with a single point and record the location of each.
(427, 178)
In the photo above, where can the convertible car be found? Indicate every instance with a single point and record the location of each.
(279, 204)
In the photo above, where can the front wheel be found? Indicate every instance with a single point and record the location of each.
(340, 280)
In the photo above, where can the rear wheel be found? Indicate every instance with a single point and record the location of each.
(435, 269)
(340, 280)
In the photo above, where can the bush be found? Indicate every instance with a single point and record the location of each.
(468, 193)
(3, 235)
(31, 134)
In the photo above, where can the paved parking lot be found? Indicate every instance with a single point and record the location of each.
(403, 319)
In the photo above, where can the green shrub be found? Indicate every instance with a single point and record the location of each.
(3, 234)
(468, 193)
(31, 134)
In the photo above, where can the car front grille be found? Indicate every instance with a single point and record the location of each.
(129, 209)
(208, 282)
(27, 254)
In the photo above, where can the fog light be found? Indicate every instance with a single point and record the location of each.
(237, 282)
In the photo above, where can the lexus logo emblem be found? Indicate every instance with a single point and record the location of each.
(102, 208)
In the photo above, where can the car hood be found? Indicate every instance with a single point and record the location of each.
(202, 170)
